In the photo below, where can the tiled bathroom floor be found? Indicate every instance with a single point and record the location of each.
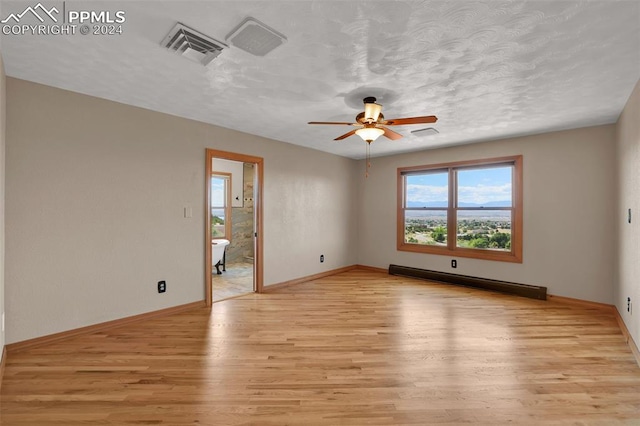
(237, 280)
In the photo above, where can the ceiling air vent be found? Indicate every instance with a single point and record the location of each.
(255, 37)
(193, 45)
(425, 132)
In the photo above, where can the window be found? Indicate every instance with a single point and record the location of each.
(464, 209)
(221, 205)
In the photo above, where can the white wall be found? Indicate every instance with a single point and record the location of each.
(628, 234)
(569, 194)
(95, 192)
(236, 168)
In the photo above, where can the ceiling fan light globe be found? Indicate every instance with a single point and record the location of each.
(369, 134)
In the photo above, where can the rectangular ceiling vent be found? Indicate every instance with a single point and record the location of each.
(255, 37)
(429, 131)
(193, 45)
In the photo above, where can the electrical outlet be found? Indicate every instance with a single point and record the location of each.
(629, 306)
(321, 258)
(162, 286)
(454, 263)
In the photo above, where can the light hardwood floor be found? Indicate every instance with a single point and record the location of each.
(355, 348)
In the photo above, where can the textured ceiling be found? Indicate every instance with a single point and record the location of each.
(487, 69)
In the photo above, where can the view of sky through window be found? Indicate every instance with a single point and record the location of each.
(428, 190)
(217, 192)
(485, 187)
(490, 187)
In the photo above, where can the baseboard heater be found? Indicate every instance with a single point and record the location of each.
(525, 290)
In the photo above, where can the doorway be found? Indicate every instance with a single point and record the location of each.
(233, 240)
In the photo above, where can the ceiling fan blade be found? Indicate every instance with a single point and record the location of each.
(390, 134)
(337, 123)
(411, 120)
(346, 135)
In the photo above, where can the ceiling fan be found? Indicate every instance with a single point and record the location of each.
(372, 124)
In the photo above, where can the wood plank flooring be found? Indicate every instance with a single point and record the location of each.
(355, 348)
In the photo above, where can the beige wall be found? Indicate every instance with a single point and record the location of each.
(569, 193)
(628, 234)
(2, 203)
(95, 195)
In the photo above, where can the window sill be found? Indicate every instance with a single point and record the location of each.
(462, 252)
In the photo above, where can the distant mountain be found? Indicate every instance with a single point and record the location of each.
(428, 204)
(488, 205)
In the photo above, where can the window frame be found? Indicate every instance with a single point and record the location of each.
(451, 249)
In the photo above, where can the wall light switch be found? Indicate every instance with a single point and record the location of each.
(188, 212)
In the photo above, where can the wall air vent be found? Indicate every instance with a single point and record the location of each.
(255, 37)
(193, 45)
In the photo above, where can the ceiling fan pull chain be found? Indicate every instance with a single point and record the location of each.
(367, 160)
